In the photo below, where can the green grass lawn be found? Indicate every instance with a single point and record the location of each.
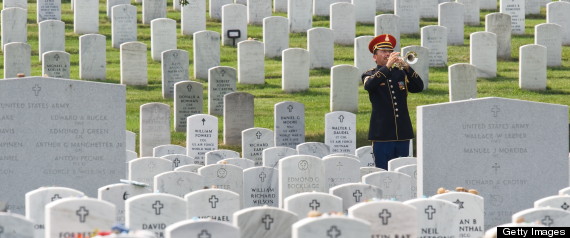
(316, 99)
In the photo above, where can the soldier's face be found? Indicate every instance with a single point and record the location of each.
(381, 56)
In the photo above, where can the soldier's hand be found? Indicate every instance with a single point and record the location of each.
(393, 58)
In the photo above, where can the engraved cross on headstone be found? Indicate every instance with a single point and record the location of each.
(157, 207)
(430, 211)
(258, 135)
(290, 107)
(339, 165)
(341, 118)
(204, 234)
(333, 232)
(55, 197)
(547, 221)
(189, 87)
(56, 57)
(496, 167)
(37, 89)
(82, 213)
(203, 121)
(357, 195)
(213, 200)
(176, 162)
(387, 182)
(565, 206)
(314, 205)
(459, 203)
(262, 176)
(495, 110)
(384, 215)
(267, 220)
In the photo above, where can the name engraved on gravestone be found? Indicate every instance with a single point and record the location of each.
(471, 212)
(124, 24)
(222, 80)
(154, 212)
(56, 64)
(254, 141)
(48, 10)
(409, 13)
(289, 124)
(201, 136)
(79, 138)
(223, 176)
(515, 8)
(174, 70)
(189, 97)
(300, 173)
(340, 132)
(216, 204)
(260, 187)
(497, 151)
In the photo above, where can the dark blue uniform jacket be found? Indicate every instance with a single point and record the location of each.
(388, 91)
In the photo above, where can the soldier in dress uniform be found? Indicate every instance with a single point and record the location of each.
(388, 86)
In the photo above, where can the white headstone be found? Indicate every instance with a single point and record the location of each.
(483, 53)
(550, 217)
(111, 4)
(51, 36)
(341, 170)
(471, 212)
(387, 218)
(257, 10)
(261, 222)
(412, 171)
(366, 156)
(532, 67)
(320, 44)
(153, 9)
(289, 124)
(344, 89)
(462, 82)
(189, 168)
(254, 141)
(202, 228)
(154, 212)
(238, 116)
(317, 149)
(300, 15)
(37, 199)
(385, 5)
(501, 131)
(216, 8)
(251, 62)
(340, 131)
(163, 150)
(78, 216)
(117, 194)
(163, 36)
(86, 17)
(14, 25)
(48, 10)
(435, 39)
(393, 164)
(193, 17)
(388, 24)
(394, 185)
(322, 7)
(216, 204)
(550, 36)
(223, 176)
(174, 69)
(133, 64)
(15, 3)
(472, 11)
(201, 138)
(206, 53)
(556, 12)
(275, 35)
(515, 8)
(409, 14)
(92, 57)
(222, 80)
(188, 101)
(436, 216)
(234, 17)
(428, 8)
(178, 183)
(451, 16)
(154, 127)
(124, 24)
(303, 203)
(500, 24)
(362, 57)
(354, 193)
(212, 157)
(300, 173)
(17, 59)
(489, 4)
(343, 23)
(295, 70)
(271, 156)
(56, 64)
(180, 160)
(239, 162)
(260, 187)
(333, 226)
(557, 201)
(143, 170)
(14, 225)
(131, 140)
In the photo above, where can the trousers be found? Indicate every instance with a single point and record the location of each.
(384, 151)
